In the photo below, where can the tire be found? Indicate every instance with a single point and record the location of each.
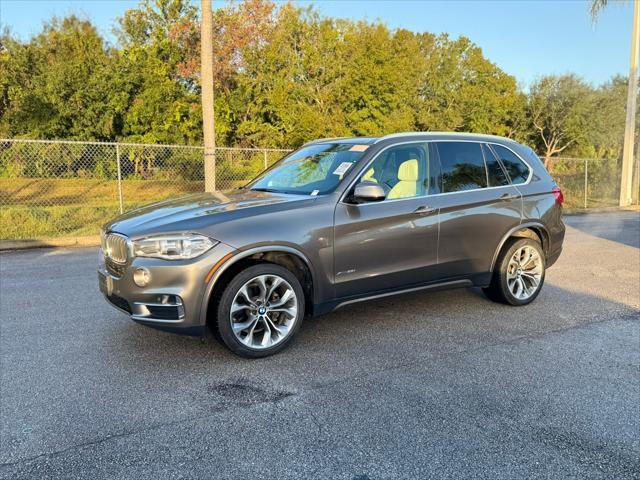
(268, 300)
(513, 281)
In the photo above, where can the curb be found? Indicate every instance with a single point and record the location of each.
(582, 211)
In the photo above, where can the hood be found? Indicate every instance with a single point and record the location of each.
(198, 211)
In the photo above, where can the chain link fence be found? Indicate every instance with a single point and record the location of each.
(53, 189)
(587, 182)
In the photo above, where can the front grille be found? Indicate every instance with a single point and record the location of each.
(119, 302)
(117, 247)
(115, 269)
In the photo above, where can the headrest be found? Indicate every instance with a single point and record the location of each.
(369, 175)
(408, 171)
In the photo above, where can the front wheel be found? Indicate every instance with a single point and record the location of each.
(519, 273)
(260, 310)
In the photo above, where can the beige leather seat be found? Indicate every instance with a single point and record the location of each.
(368, 176)
(407, 185)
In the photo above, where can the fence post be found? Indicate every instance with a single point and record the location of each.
(119, 179)
(586, 181)
(265, 159)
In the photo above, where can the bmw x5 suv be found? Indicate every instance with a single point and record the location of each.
(335, 222)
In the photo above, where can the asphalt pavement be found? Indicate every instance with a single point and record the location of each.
(430, 385)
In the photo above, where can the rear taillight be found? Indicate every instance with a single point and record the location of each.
(558, 194)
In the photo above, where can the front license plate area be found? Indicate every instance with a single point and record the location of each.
(106, 284)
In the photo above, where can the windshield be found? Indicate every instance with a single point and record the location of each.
(311, 170)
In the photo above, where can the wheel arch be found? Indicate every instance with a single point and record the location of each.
(534, 230)
(288, 257)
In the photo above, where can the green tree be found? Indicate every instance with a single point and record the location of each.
(160, 66)
(463, 91)
(287, 91)
(560, 108)
(380, 77)
(283, 76)
(54, 86)
(163, 100)
(605, 133)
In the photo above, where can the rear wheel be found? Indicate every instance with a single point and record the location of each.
(260, 310)
(519, 273)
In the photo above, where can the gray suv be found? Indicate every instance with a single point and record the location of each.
(335, 222)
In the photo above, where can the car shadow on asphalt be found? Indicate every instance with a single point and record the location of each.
(381, 332)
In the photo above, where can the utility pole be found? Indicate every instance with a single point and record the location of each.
(626, 180)
(206, 81)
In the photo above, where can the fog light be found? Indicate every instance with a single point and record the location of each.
(141, 276)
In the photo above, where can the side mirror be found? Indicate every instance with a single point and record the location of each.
(368, 192)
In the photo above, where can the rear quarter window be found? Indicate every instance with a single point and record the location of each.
(495, 173)
(516, 168)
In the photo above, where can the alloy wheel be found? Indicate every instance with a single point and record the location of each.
(263, 311)
(524, 272)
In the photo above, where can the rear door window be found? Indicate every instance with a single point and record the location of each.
(462, 166)
(516, 168)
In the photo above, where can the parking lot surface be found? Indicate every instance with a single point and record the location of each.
(437, 385)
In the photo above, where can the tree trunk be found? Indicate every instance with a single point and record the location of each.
(547, 159)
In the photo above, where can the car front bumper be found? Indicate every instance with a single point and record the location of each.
(172, 300)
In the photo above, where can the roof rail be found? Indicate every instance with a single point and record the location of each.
(456, 134)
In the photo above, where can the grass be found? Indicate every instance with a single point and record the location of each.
(24, 222)
(32, 208)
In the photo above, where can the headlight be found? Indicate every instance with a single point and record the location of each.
(173, 247)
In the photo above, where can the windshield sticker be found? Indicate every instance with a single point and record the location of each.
(315, 192)
(342, 168)
(358, 148)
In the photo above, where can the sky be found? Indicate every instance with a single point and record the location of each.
(526, 38)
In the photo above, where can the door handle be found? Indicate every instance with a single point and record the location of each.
(508, 196)
(424, 210)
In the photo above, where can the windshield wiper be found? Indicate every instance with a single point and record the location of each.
(284, 192)
(259, 189)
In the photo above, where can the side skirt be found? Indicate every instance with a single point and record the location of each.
(476, 280)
